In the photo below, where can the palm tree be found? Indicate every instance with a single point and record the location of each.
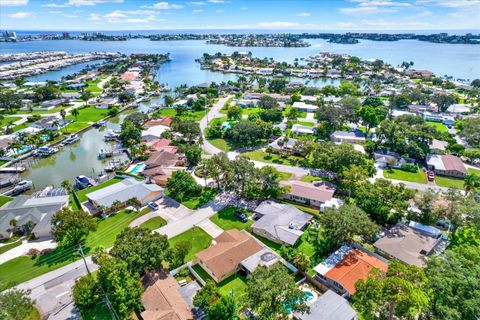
(63, 114)
(75, 113)
(471, 182)
(134, 202)
(67, 185)
(14, 223)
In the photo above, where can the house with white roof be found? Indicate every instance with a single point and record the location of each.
(299, 129)
(305, 107)
(154, 132)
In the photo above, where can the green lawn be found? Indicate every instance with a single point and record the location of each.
(200, 200)
(25, 268)
(9, 246)
(99, 312)
(249, 111)
(236, 283)
(438, 125)
(172, 112)
(4, 199)
(197, 237)
(310, 178)
(474, 171)
(221, 144)
(397, 174)
(154, 223)
(284, 176)
(449, 182)
(82, 194)
(305, 123)
(260, 155)
(89, 114)
(226, 219)
(6, 120)
(92, 85)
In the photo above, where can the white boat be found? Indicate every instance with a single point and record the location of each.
(71, 139)
(44, 151)
(111, 136)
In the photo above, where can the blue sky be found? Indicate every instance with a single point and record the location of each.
(310, 15)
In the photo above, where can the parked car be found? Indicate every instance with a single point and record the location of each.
(153, 206)
(431, 176)
(241, 216)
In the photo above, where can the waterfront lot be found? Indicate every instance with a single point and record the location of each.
(86, 117)
(171, 112)
(82, 194)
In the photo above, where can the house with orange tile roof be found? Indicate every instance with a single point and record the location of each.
(162, 299)
(343, 268)
(224, 258)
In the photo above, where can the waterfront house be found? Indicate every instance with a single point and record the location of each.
(304, 107)
(123, 191)
(230, 248)
(354, 137)
(343, 268)
(161, 298)
(51, 104)
(458, 108)
(280, 223)
(160, 166)
(37, 209)
(154, 132)
(446, 165)
(106, 103)
(328, 306)
(410, 244)
(311, 194)
(161, 144)
(50, 123)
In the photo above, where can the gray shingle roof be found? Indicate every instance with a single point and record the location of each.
(282, 221)
(329, 306)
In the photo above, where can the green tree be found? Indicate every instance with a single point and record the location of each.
(301, 261)
(86, 293)
(277, 85)
(371, 116)
(443, 101)
(346, 225)
(193, 152)
(397, 294)
(15, 304)
(189, 129)
(182, 185)
(70, 227)
(267, 102)
(141, 249)
(67, 184)
(471, 183)
(179, 252)
(75, 113)
(234, 112)
(454, 284)
(168, 100)
(9, 100)
(84, 96)
(130, 134)
(471, 131)
(123, 287)
(382, 200)
(271, 290)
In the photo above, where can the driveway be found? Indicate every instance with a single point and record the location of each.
(211, 228)
(168, 209)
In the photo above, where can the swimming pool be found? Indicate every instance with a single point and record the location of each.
(309, 298)
(136, 168)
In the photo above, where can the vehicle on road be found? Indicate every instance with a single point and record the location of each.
(431, 176)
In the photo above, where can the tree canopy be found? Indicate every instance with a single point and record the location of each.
(70, 227)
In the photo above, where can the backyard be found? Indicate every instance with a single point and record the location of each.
(24, 268)
(438, 125)
(226, 219)
(397, 174)
(172, 112)
(235, 284)
(197, 237)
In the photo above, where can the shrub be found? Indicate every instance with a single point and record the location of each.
(409, 168)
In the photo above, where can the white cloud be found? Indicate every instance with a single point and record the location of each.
(90, 2)
(13, 3)
(244, 8)
(197, 10)
(365, 10)
(216, 1)
(164, 6)
(197, 3)
(55, 5)
(451, 3)
(119, 16)
(277, 24)
(380, 3)
(303, 14)
(20, 15)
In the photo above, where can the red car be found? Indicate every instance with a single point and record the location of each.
(431, 176)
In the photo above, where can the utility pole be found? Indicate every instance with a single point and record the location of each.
(107, 301)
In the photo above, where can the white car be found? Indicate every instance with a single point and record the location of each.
(153, 206)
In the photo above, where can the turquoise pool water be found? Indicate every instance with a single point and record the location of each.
(308, 298)
(138, 168)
